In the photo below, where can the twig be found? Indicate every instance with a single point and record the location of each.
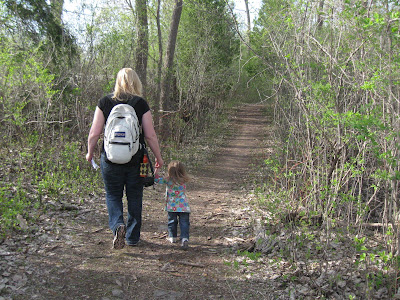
(230, 289)
(186, 263)
(49, 122)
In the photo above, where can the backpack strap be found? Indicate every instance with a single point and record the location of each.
(132, 102)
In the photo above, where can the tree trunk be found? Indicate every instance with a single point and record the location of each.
(246, 2)
(142, 49)
(169, 60)
(320, 20)
(159, 70)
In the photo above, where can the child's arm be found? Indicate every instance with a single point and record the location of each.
(158, 178)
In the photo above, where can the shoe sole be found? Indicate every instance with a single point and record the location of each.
(185, 245)
(134, 245)
(119, 240)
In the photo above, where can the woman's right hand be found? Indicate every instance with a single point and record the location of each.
(89, 157)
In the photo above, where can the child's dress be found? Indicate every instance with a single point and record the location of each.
(176, 200)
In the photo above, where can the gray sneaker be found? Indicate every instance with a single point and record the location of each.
(185, 244)
(119, 238)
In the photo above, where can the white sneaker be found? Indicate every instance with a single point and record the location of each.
(172, 239)
(185, 244)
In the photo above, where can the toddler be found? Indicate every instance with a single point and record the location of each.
(177, 204)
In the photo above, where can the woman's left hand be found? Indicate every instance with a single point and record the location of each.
(159, 163)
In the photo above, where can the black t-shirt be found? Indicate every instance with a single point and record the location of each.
(106, 104)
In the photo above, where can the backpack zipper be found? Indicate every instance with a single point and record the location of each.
(124, 144)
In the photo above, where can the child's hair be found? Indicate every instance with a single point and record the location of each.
(177, 172)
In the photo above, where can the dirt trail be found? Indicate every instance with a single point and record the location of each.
(78, 262)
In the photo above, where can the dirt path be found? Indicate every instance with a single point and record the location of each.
(78, 262)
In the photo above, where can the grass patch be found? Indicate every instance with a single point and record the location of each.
(31, 178)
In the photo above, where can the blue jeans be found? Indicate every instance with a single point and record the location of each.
(117, 178)
(183, 221)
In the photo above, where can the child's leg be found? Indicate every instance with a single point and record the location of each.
(172, 225)
(184, 225)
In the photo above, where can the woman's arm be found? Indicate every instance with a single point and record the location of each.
(95, 131)
(151, 138)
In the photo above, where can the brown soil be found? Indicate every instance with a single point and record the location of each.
(76, 260)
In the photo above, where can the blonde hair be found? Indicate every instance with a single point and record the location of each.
(128, 82)
(177, 172)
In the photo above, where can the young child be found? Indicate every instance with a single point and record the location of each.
(177, 204)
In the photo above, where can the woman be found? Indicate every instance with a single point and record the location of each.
(118, 177)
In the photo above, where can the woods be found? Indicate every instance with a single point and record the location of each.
(338, 108)
(329, 70)
(54, 73)
(336, 101)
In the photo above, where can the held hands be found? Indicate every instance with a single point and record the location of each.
(159, 163)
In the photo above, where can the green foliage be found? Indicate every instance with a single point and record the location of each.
(36, 20)
(213, 32)
(49, 174)
(336, 115)
(207, 45)
(25, 82)
(250, 255)
(13, 203)
(242, 261)
(369, 260)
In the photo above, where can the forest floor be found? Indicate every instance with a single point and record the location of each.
(71, 255)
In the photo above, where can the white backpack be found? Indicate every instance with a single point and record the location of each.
(121, 134)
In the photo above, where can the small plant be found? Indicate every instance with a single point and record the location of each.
(236, 264)
(360, 244)
(13, 203)
(375, 264)
(251, 255)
